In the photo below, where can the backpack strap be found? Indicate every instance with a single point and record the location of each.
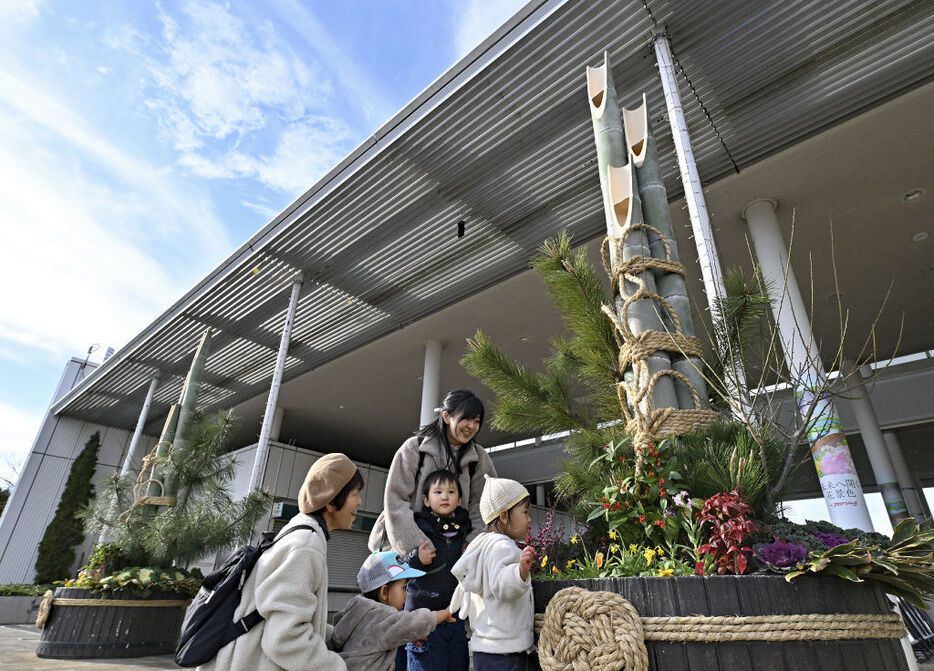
(250, 620)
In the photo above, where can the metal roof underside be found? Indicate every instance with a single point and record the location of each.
(503, 142)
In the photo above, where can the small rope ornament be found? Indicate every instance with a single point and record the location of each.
(140, 497)
(597, 631)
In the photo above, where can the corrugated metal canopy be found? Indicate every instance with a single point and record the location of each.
(502, 142)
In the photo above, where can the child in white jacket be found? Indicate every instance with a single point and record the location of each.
(494, 589)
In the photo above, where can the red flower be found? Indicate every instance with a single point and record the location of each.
(659, 523)
(622, 460)
(651, 474)
(661, 481)
(642, 518)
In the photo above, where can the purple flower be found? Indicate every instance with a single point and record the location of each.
(780, 554)
(682, 498)
(830, 540)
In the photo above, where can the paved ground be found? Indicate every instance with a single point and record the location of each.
(18, 653)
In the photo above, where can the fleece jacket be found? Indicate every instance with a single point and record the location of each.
(367, 633)
(492, 595)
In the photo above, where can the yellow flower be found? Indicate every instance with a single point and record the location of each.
(661, 553)
(614, 548)
(599, 560)
(554, 569)
(612, 535)
(571, 562)
(633, 549)
(573, 540)
(665, 572)
(649, 555)
(544, 561)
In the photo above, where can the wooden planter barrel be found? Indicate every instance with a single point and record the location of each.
(750, 595)
(108, 631)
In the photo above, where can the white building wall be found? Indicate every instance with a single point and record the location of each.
(42, 481)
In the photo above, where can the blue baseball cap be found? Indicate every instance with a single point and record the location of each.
(381, 568)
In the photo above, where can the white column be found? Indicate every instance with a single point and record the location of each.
(540, 495)
(276, 424)
(707, 256)
(262, 447)
(132, 455)
(914, 496)
(431, 382)
(875, 445)
(832, 459)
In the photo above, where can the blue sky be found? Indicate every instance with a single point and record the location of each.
(140, 143)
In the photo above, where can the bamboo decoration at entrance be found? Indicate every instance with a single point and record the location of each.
(663, 392)
(160, 491)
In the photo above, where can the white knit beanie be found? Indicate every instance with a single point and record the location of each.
(499, 494)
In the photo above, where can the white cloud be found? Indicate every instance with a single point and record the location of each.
(479, 19)
(304, 152)
(221, 77)
(17, 431)
(363, 90)
(19, 9)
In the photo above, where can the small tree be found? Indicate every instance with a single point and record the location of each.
(204, 519)
(57, 548)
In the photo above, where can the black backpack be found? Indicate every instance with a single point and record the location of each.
(209, 623)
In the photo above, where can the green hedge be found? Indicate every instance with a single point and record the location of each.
(24, 590)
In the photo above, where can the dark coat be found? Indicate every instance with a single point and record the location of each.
(434, 590)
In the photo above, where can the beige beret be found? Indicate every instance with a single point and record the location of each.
(326, 477)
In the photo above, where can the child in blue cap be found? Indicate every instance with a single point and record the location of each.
(373, 624)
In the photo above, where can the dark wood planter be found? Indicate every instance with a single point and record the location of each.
(108, 631)
(750, 595)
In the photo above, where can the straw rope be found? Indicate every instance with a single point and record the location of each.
(647, 424)
(140, 498)
(596, 631)
(49, 600)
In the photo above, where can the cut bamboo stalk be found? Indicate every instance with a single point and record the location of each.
(162, 450)
(612, 155)
(671, 286)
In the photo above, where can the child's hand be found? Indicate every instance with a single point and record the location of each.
(444, 616)
(525, 561)
(426, 553)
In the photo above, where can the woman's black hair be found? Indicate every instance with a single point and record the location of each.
(459, 403)
(440, 477)
(356, 482)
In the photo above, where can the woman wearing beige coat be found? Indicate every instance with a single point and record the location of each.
(289, 584)
(447, 443)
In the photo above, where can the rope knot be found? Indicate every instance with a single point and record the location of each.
(591, 631)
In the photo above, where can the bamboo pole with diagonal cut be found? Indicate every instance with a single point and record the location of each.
(648, 396)
(622, 207)
(660, 233)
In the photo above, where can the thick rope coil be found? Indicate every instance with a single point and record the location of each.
(593, 631)
(584, 633)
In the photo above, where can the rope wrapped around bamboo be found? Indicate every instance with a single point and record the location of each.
(602, 631)
(647, 424)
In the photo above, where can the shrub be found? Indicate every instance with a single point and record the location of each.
(728, 518)
(57, 548)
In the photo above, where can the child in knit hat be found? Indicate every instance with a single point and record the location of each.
(373, 625)
(495, 590)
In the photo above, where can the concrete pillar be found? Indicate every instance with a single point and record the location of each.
(836, 472)
(276, 424)
(707, 256)
(540, 495)
(132, 453)
(869, 429)
(262, 447)
(431, 382)
(911, 490)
